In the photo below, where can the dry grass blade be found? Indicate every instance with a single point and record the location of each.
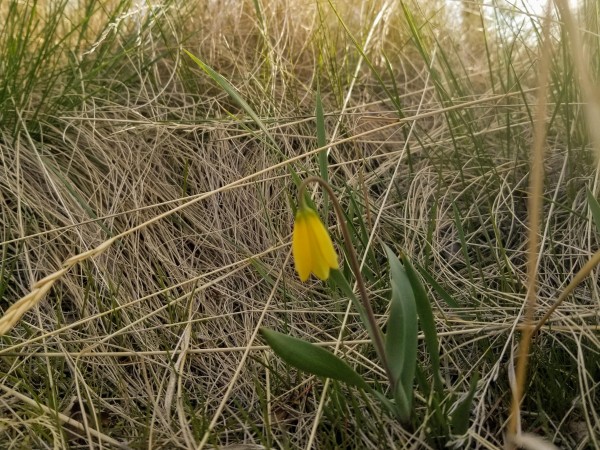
(174, 196)
(536, 180)
(66, 420)
(15, 312)
(581, 275)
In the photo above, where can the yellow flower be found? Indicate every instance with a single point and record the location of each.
(312, 246)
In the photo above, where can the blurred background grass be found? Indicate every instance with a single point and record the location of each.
(105, 124)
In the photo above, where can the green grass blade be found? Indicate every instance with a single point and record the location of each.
(450, 301)
(594, 207)
(321, 136)
(459, 421)
(75, 194)
(232, 92)
(311, 358)
(463, 241)
(338, 280)
(322, 142)
(359, 48)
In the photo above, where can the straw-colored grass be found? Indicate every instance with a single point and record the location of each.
(145, 217)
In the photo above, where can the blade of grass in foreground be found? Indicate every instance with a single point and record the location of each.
(232, 92)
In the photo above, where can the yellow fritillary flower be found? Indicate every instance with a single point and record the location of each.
(311, 245)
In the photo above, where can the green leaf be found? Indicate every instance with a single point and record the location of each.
(75, 194)
(440, 422)
(595, 208)
(427, 323)
(388, 404)
(233, 93)
(321, 137)
(337, 279)
(463, 241)
(450, 301)
(321, 142)
(311, 358)
(228, 87)
(459, 421)
(401, 334)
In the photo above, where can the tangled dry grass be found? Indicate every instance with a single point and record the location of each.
(166, 214)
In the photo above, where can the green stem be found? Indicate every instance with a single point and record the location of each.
(376, 335)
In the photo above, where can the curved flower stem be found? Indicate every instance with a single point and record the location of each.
(376, 335)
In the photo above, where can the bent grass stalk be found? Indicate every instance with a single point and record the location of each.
(578, 278)
(41, 288)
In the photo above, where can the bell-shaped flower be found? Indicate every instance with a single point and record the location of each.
(311, 245)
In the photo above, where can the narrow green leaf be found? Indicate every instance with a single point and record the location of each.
(401, 334)
(440, 422)
(228, 87)
(232, 92)
(463, 241)
(321, 142)
(321, 137)
(415, 33)
(594, 207)
(337, 279)
(450, 301)
(427, 322)
(390, 407)
(75, 194)
(311, 358)
(459, 421)
(360, 49)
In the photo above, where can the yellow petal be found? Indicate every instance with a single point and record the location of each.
(323, 256)
(320, 268)
(325, 252)
(301, 246)
(311, 245)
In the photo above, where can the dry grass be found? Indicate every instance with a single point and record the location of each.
(151, 343)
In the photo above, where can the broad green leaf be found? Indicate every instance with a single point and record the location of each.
(401, 334)
(311, 358)
(403, 402)
(595, 208)
(427, 322)
(462, 413)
